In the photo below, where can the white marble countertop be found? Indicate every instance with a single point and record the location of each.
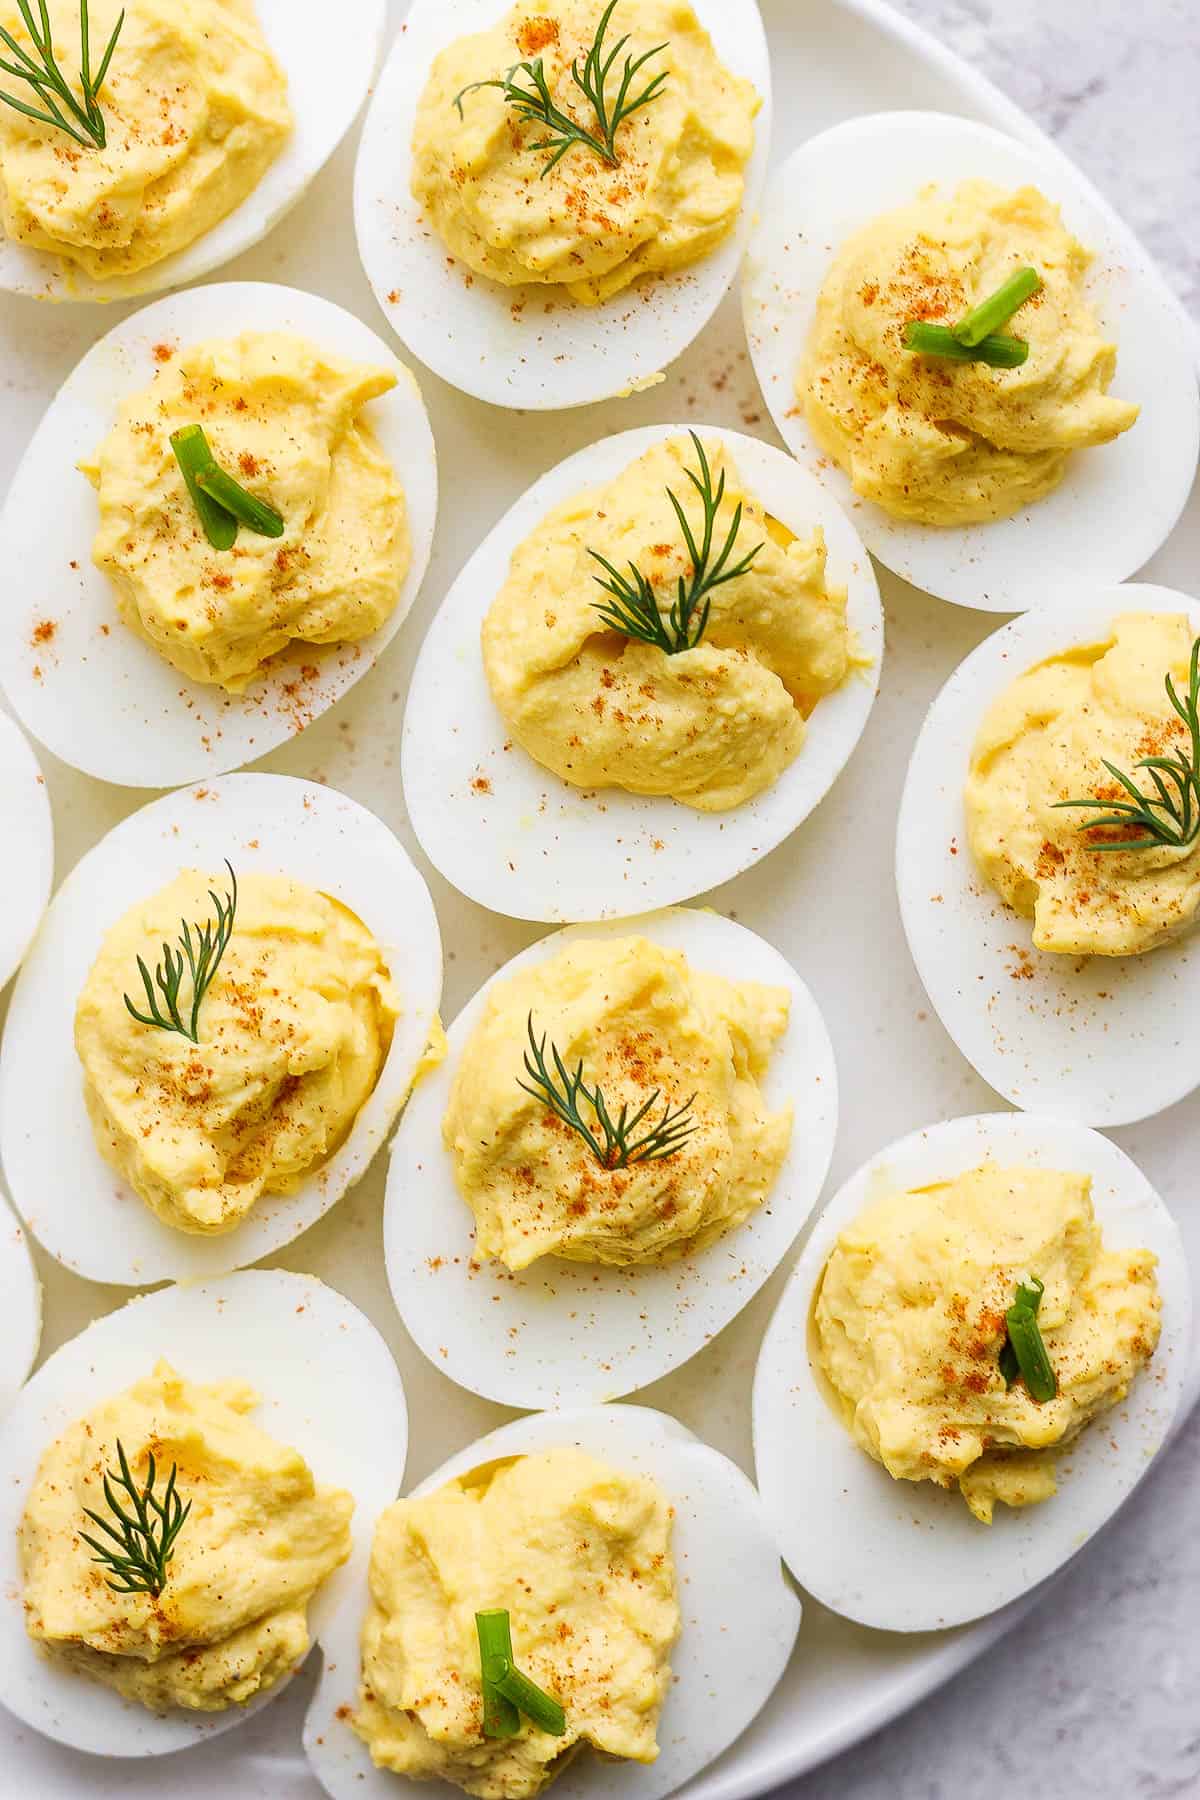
(1098, 1692)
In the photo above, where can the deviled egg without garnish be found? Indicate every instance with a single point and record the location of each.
(737, 1616)
(21, 1314)
(133, 616)
(1075, 1225)
(531, 1264)
(1025, 723)
(920, 217)
(216, 115)
(142, 1148)
(775, 669)
(619, 255)
(280, 1408)
(25, 819)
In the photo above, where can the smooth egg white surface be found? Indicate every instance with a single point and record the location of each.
(329, 75)
(533, 346)
(1118, 502)
(78, 1207)
(740, 1615)
(21, 1313)
(27, 826)
(84, 683)
(909, 1556)
(329, 1388)
(1104, 1039)
(518, 839)
(564, 1333)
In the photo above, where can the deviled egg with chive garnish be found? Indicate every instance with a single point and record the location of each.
(223, 1015)
(658, 663)
(245, 490)
(616, 1566)
(25, 819)
(259, 1424)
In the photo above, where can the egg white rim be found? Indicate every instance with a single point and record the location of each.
(230, 1327)
(537, 348)
(560, 1333)
(1119, 502)
(329, 76)
(1106, 1040)
(21, 1314)
(907, 1556)
(25, 821)
(76, 1206)
(723, 1575)
(94, 692)
(512, 835)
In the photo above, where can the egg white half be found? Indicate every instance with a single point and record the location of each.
(518, 839)
(329, 69)
(564, 1333)
(329, 1388)
(77, 1207)
(504, 344)
(740, 1615)
(21, 1313)
(908, 1556)
(1118, 502)
(26, 825)
(1105, 1039)
(87, 686)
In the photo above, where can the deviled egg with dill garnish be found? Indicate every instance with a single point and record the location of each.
(574, 1594)
(657, 664)
(245, 491)
(551, 205)
(223, 1015)
(25, 819)
(631, 1125)
(1052, 806)
(976, 1359)
(144, 143)
(192, 1487)
(966, 348)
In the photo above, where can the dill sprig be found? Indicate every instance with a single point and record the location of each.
(613, 1142)
(633, 608)
(48, 82)
(536, 104)
(200, 953)
(1171, 816)
(144, 1538)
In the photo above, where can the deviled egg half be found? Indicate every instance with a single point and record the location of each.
(551, 205)
(258, 1424)
(966, 346)
(205, 122)
(161, 637)
(631, 1126)
(1050, 913)
(21, 1314)
(25, 821)
(225, 1010)
(646, 677)
(973, 1364)
(628, 1570)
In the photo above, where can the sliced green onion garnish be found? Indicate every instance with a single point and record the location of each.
(194, 454)
(939, 340)
(256, 515)
(530, 1699)
(995, 312)
(1025, 1347)
(506, 1691)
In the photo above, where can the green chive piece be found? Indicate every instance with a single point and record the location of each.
(501, 1718)
(254, 514)
(939, 340)
(1029, 1298)
(1027, 1344)
(995, 312)
(194, 454)
(533, 1701)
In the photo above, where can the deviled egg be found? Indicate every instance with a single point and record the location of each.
(550, 206)
(672, 624)
(25, 820)
(164, 638)
(224, 1013)
(964, 345)
(631, 1126)
(261, 1421)
(971, 1321)
(628, 1564)
(170, 135)
(21, 1314)
(1051, 927)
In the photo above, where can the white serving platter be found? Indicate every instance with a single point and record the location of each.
(826, 898)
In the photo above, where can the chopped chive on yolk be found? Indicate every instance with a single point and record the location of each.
(222, 503)
(979, 336)
(1024, 1354)
(507, 1693)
